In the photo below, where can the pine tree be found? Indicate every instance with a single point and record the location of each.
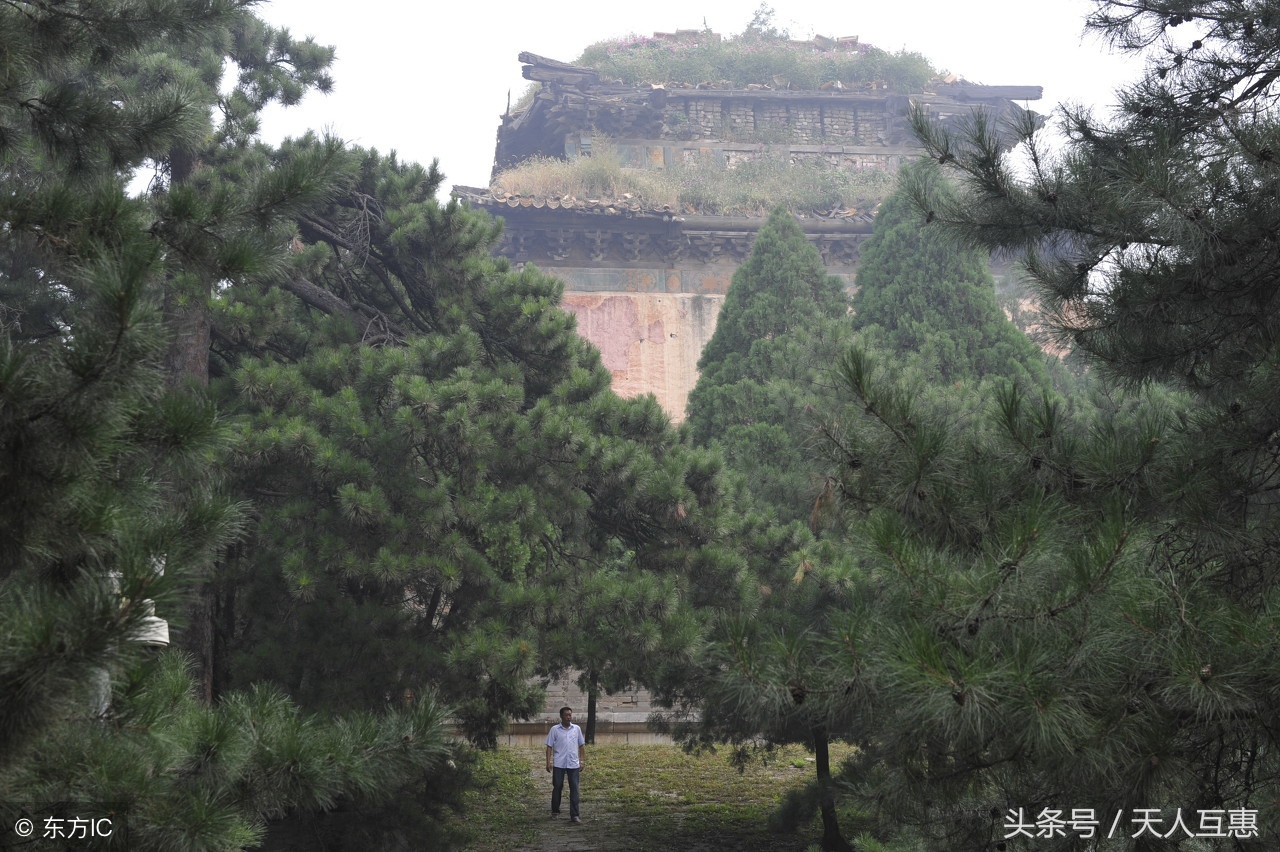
(439, 467)
(112, 501)
(223, 207)
(761, 679)
(82, 421)
(618, 628)
(1059, 607)
(999, 605)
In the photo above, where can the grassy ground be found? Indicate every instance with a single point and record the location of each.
(640, 797)
(499, 808)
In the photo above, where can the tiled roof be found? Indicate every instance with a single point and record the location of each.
(627, 205)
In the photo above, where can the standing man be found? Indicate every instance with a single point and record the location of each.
(566, 756)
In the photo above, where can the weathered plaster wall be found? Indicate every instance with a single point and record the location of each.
(649, 323)
(649, 342)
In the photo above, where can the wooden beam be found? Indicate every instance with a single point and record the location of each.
(552, 75)
(973, 91)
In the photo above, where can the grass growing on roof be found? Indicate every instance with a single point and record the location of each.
(751, 188)
(751, 58)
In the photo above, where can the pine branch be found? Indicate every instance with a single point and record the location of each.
(324, 300)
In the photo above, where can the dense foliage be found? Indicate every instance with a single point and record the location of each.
(374, 480)
(286, 402)
(784, 319)
(921, 295)
(113, 497)
(1068, 607)
(772, 399)
(444, 484)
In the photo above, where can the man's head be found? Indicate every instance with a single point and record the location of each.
(566, 716)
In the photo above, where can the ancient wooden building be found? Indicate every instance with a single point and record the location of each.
(647, 282)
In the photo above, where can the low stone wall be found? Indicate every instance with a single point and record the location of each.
(620, 718)
(538, 739)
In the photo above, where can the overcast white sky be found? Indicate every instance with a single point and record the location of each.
(432, 80)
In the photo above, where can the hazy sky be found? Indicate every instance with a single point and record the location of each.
(432, 80)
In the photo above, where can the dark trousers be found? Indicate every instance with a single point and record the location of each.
(557, 788)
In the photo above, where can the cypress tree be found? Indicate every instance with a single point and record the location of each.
(934, 299)
(784, 321)
(763, 374)
(782, 286)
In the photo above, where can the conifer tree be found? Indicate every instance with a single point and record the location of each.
(618, 628)
(936, 301)
(784, 321)
(1064, 608)
(81, 420)
(439, 466)
(994, 568)
(782, 286)
(222, 206)
(108, 476)
(763, 374)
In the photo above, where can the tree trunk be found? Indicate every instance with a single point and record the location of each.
(186, 315)
(832, 840)
(186, 306)
(593, 689)
(196, 638)
(224, 626)
(186, 363)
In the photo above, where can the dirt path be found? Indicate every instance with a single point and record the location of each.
(599, 831)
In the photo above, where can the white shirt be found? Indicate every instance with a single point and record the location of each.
(564, 744)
